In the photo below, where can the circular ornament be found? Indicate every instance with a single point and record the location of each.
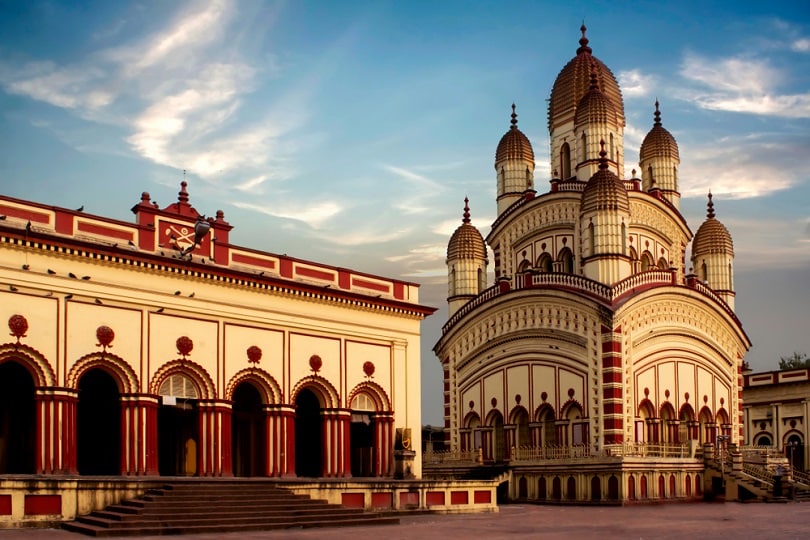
(105, 336)
(184, 345)
(254, 354)
(18, 326)
(315, 363)
(368, 369)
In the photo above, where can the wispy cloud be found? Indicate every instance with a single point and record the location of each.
(315, 215)
(634, 83)
(745, 85)
(733, 167)
(179, 94)
(801, 45)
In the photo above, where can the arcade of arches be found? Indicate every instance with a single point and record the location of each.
(98, 428)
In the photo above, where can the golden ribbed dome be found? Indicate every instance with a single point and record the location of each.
(595, 107)
(514, 144)
(466, 242)
(604, 191)
(712, 236)
(574, 81)
(659, 142)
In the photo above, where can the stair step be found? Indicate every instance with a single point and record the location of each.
(219, 507)
(201, 529)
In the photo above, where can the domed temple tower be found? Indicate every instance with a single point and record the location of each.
(593, 348)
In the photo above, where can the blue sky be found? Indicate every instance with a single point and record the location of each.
(350, 132)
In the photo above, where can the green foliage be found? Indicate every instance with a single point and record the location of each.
(797, 361)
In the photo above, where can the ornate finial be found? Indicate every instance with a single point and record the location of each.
(657, 114)
(710, 207)
(466, 215)
(583, 41)
(603, 161)
(634, 173)
(514, 117)
(183, 195)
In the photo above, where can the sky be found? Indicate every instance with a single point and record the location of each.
(350, 132)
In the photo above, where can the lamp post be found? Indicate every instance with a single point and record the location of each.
(721, 443)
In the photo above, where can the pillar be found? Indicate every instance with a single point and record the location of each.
(612, 386)
(214, 446)
(279, 431)
(383, 444)
(139, 439)
(55, 430)
(335, 438)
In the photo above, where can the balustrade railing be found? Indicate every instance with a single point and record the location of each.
(466, 457)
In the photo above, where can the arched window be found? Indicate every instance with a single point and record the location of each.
(544, 263)
(763, 440)
(565, 161)
(482, 280)
(566, 259)
(592, 239)
(663, 264)
(524, 266)
(647, 261)
(528, 178)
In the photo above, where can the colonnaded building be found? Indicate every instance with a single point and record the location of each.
(601, 361)
(157, 348)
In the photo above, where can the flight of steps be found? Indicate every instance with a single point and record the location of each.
(221, 506)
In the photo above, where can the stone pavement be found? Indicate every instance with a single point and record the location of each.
(665, 521)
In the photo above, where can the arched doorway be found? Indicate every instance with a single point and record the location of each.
(308, 435)
(248, 432)
(498, 442)
(362, 435)
(178, 427)
(794, 451)
(17, 415)
(98, 424)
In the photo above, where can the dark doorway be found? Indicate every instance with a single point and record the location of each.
(17, 419)
(362, 442)
(308, 438)
(794, 450)
(98, 425)
(248, 432)
(177, 437)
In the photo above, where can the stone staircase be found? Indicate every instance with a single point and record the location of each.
(219, 506)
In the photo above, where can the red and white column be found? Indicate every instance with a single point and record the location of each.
(336, 444)
(383, 444)
(55, 430)
(612, 388)
(280, 442)
(139, 456)
(214, 448)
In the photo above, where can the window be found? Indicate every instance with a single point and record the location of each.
(565, 161)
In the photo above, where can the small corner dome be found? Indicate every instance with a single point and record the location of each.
(466, 242)
(659, 142)
(604, 190)
(514, 144)
(712, 236)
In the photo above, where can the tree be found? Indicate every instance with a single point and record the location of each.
(797, 361)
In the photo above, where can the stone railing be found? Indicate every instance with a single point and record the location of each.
(550, 453)
(589, 287)
(459, 457)
(647, 449)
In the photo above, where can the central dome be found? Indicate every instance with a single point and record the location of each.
(575, 80)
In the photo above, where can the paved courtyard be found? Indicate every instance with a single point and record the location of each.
(666, 521)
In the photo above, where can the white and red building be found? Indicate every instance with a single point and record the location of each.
(599, 360)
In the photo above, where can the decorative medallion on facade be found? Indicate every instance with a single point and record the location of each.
(494, 402)
(184, 346)
(105, 337)
(472, 404)
(544, 396)
(368, 369)
(254, 354)
(517, 399)
(315, 363)
(18, 326)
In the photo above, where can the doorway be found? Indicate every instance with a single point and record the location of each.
(98, 424)
(248, 432)
(308, 435)
(17, 415)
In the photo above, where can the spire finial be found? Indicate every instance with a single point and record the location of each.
(710, 207)
(514, 117)
(466, 215)
(183, 195)
(603, 161)
(657, 114)
(583, 41)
